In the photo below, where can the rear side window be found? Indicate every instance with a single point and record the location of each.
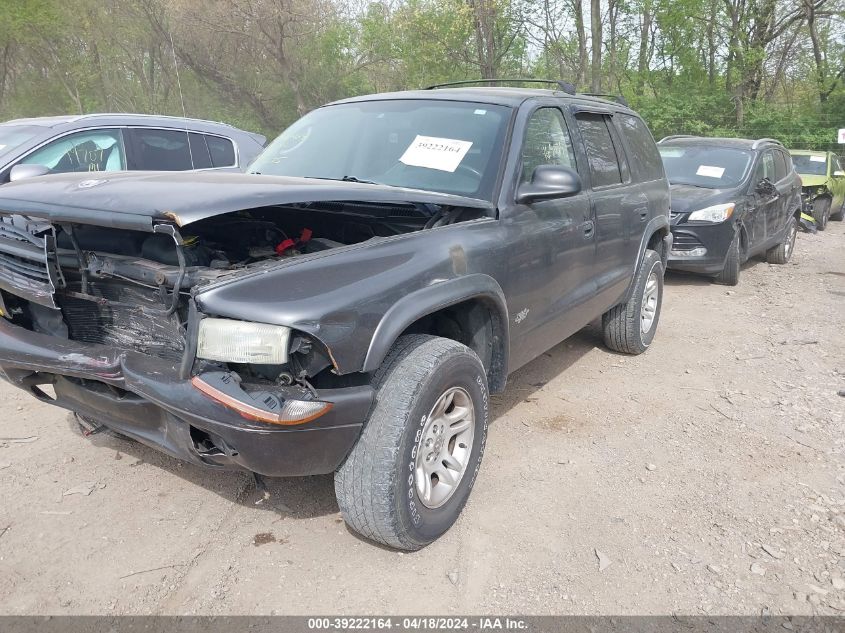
(644, 152)
(199, 151)
(167, 150)
(547, 142)
(604, 163)
(222, 151)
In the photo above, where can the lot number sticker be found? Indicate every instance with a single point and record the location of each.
(431, 152)
(710, 172)
(818, 159)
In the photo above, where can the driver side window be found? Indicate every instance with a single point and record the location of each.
(93, 150)
(766, 168)
(547, 142)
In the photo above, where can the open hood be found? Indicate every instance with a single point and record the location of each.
(135, 200)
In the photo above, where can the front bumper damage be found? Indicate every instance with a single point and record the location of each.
(147, 399)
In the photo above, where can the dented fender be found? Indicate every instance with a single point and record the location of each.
(345, 298)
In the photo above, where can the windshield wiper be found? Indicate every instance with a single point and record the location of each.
(354, 179)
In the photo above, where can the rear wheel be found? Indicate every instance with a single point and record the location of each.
(630, 326)
(838, 216)
(407, 479)
(821, 212)
(782, 253)
(730, 273)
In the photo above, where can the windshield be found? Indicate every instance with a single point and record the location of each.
(810, 164)
(12, 136)
(445, 146)
(705, 165)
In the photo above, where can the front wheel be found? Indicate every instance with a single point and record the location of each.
(629, 327)
(407, 479)
(730, 273)
(782, 253)
(821, 212)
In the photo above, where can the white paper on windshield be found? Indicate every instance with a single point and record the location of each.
(818, 159)
(432, 152)
(671, 152)
(709, 171)
(2, 146)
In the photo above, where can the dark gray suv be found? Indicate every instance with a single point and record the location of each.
(732, 198)
(347, 306)
(116, 142)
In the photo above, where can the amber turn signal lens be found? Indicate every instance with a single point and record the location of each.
(292, 412)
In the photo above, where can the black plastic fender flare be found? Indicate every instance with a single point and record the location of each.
(435, 297)
(654, 225)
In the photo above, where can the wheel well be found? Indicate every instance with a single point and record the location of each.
(656, 243)
(477, 324)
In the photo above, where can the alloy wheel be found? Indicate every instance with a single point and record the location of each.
(444, 447)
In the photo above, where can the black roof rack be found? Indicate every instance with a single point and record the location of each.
(760, 141)
(674, 136)
(603, 95)
(564, 86)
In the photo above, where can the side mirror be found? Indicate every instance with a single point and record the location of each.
(765, 186)
(21, 172)
(839, 172)
(549, 182)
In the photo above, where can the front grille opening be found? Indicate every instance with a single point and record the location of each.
(132, 317)
(685, 242)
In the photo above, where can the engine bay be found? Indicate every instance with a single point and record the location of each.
(215, 246)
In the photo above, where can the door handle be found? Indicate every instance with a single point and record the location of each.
(588, 227)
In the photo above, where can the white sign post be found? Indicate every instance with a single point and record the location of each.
(842, 136)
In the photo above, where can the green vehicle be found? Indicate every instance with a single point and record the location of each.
(823, 188)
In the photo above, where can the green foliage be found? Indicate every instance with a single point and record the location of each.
(259, 65)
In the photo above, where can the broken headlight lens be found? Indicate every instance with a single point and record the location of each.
(714, 214)
(232, 341)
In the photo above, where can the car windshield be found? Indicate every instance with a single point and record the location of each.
(445, 146)
(12, 136)
(705, 165)
(810, 164)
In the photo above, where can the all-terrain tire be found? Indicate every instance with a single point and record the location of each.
(821, 212)
(623, 324)
(782, 253)
(376, 487)
(730, 273)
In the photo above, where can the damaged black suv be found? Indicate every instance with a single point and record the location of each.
(348, 306)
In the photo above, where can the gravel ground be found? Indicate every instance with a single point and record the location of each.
(706, 476)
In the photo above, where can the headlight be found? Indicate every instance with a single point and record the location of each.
(821, 190)
(714, 214)
(243, 342)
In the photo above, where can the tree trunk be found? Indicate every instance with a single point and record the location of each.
(595, 23)
(711, 43)
(642, 58)
(578, 8)
(821, 74)
(613, 14)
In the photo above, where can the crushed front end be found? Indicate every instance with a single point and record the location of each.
(103, 321)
